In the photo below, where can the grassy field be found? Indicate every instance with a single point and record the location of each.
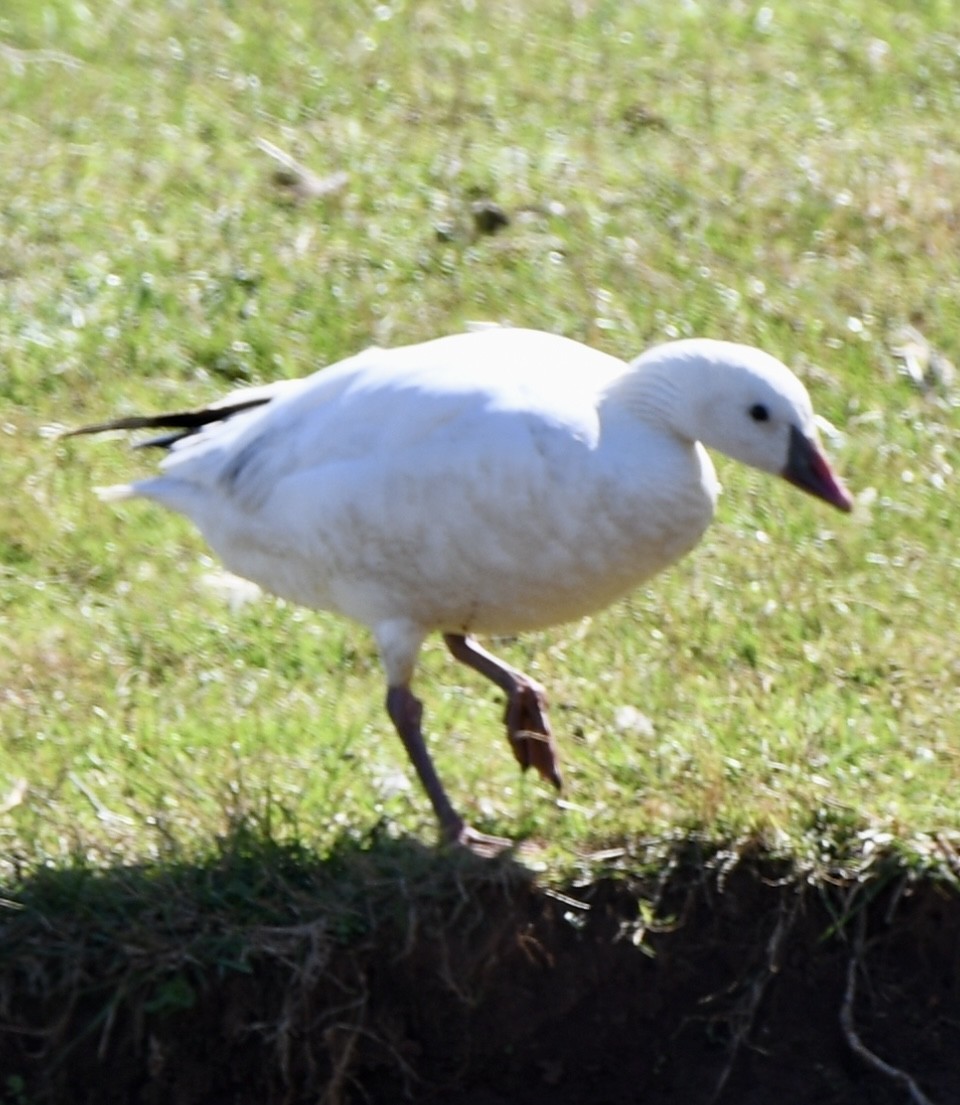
(785, 175)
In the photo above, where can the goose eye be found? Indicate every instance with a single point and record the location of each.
(759, 413)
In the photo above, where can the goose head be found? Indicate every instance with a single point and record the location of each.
(745, 404)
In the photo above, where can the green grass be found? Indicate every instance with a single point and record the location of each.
(784, 176)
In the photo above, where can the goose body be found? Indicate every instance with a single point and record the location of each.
(488, 482)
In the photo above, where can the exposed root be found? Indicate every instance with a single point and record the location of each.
(856, 1045)
(750, 1006)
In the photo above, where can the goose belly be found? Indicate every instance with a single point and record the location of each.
(459, 555)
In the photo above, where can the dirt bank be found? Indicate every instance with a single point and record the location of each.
(735, 980)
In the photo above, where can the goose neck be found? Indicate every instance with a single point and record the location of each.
(649, 394)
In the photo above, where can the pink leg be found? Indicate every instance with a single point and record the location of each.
(406, 712)
(528, 728)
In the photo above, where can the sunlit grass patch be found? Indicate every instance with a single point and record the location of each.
(779, 176)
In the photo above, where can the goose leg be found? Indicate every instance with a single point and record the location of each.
(528, 728)
(406, 713)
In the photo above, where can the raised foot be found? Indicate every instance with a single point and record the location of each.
(529, 733)
(528, 729)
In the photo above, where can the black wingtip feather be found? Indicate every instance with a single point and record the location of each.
(164, 441)
(184, 423)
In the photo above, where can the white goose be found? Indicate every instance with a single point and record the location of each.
(488, 482)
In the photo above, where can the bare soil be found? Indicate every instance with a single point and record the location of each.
(738, 981)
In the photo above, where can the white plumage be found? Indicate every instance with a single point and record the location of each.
(487, 482)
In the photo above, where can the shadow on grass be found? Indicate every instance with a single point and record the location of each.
(260, 946)
(388, 970)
